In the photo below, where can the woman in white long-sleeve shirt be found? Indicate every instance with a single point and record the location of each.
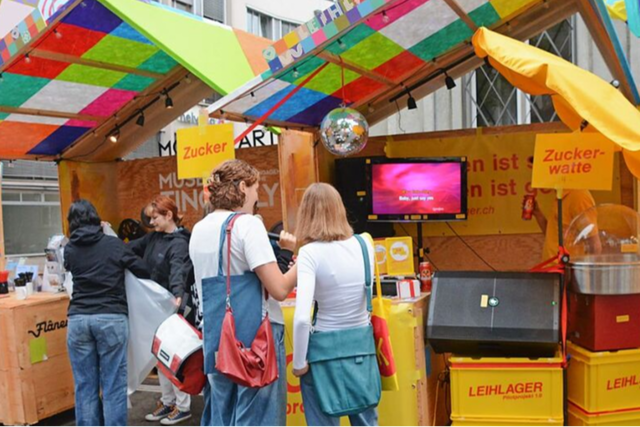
(330, 272)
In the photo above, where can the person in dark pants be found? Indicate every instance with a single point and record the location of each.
(98, 328)
(166, 253)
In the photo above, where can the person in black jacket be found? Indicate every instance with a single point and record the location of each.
(166, 253)
(98, 328)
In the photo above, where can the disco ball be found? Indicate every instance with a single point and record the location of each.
(344, 131)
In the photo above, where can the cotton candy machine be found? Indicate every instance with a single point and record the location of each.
(605, 251)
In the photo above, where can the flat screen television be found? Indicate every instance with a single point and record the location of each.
(417, 189)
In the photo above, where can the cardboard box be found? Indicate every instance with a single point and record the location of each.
(36, 381)
(408, 288)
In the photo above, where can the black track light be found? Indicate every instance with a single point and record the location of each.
(168, 103)
(411, 102)
(140, 120)
(448, 80)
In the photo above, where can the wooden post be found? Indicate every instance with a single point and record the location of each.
(3, 255)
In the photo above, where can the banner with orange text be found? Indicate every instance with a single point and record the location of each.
(499, 176)
(573, 161)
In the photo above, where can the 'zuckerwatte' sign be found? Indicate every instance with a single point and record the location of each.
(321, 28)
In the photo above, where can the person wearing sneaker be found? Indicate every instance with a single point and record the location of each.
(162, 411)
(166, 253)
(168, 415)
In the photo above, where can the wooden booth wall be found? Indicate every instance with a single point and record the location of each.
(506, 252)
(120, 190)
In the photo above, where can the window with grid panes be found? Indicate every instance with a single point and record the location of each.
(493, 101)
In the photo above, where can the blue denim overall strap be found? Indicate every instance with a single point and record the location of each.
(245, 295)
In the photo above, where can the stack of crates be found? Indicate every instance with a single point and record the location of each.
(604, 387)
(506, 391)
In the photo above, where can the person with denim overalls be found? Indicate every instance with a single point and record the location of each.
(233, 188)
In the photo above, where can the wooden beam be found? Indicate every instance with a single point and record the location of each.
(70, 59)
(455, 6)
(3, 255)
(605, 46)
(239, 118)
(550, 127)
(49, 113)
(39, 36)
(335, 59)
(523, 27)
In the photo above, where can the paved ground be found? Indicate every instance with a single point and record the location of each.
(143, 401)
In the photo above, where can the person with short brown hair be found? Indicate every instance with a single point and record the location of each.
(233, 188)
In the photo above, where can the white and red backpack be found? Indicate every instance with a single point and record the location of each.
(178, 347)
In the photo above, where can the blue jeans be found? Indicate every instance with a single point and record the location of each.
(98, 352)
(315, 417)
(230, 404)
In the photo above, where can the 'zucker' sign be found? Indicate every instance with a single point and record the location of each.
(259, 137)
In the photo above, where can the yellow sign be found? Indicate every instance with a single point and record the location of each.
(380, 248)
(199, 152)
(499, 176)
(577, 161)
(400, 256)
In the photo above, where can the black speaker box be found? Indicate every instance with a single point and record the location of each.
(352, 184)
(495, 314)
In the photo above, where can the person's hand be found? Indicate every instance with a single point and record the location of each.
(293, 262)
(300, 372)
(105, 224)
(536, 208)
(178, 302)
(287, 241)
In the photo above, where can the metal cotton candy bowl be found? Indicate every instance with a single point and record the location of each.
(605, 252)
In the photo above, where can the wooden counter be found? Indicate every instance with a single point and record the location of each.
(35, 374)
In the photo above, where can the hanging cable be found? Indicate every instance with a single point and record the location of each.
(344, 98)
(470, 248)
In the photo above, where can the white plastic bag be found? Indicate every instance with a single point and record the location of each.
(149, 305)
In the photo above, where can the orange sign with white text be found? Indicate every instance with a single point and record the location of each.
(576, 161)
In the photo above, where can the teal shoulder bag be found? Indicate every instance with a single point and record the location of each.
(343, 363)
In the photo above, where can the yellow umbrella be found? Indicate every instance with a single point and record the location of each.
(578, 95)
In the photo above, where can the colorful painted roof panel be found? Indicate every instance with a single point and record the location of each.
(69, 64)
(375, 43)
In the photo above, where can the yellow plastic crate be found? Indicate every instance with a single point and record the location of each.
(512, 389)
(604, 381)
(624, 418)
(505, 422)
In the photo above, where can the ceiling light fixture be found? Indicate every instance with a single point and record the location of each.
(140, 120)
(115, 135)
(448, 80)
(411, 102)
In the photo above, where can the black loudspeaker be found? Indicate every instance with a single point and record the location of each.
(352, 184)
(495, 314)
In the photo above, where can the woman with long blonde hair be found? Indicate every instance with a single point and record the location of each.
(331, 272)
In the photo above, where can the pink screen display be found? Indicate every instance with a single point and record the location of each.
(416, 188)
